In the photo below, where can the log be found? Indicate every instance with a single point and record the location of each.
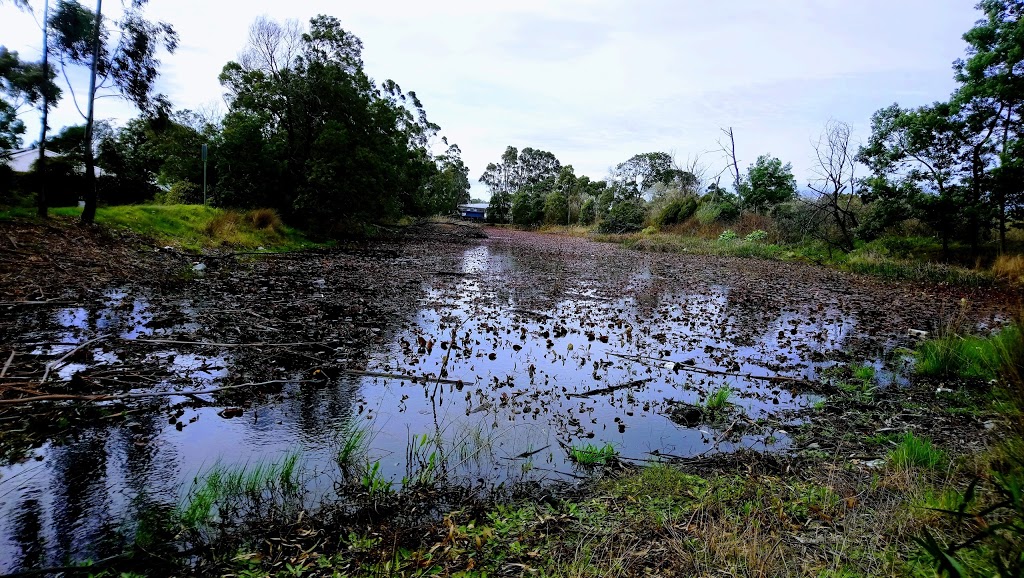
(119, 396)
(611, 388)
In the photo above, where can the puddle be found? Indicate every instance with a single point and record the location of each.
(505, 364)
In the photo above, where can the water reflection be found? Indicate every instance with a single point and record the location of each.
(500, 360)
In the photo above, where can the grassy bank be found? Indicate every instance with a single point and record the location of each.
(191, 227)
(878, 258)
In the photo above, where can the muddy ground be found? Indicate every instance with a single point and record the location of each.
(116, 339)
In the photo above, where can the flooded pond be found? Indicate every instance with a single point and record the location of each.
(481, 363)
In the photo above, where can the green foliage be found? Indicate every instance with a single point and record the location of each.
(916, 452)
(180, 193)
(677, 211)
(592, 455)
(718, 401)
(373, 480)
(757, 236)
(625, 216)
(358, 152)
(222, 492)
(967, 357)
(588, 212)
(717, 212)
(769, 183)
(727, 236)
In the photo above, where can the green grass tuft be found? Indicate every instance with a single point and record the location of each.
(967, 357)
(592, 455)
(719, 400)
(913, 451)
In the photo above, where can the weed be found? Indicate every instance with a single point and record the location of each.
(354, 444)
(728, 235)
(718, 401)
(373, 481)
(913, 451)
(592, 455)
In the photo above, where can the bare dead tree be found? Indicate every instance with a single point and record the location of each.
(730, 153)
(832, 210)
(696, 174)
(272, 46)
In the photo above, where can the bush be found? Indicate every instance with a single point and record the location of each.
(727, 235)
(588, 213)
(721, 212)
(180, 193)
(758, 236)
(625, 216)
(677, 211)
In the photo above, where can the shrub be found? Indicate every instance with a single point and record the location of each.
(758, 236)
(180, 193)
(677, 211)
(728, 235)
(721, 212)
(625, 216)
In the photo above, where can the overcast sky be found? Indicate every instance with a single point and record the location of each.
(596, 82)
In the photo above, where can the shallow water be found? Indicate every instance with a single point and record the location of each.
(520, 344)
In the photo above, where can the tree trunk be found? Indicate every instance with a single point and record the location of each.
(89, 213)
(41, 202)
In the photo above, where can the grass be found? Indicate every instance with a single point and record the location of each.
(718, 401)
(916, 452)
(1009, 267)
(967, 356)
(593, 455)
(897, 258)
(191, 227)
(355, 441)
(222, 492)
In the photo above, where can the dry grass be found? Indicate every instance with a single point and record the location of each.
(265, 220)
(1010, 267)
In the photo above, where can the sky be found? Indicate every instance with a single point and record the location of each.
(593, 81)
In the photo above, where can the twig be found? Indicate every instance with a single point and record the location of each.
(117, 396)
(704, 370)
(7, 365)
(54, 364)
(612, 388)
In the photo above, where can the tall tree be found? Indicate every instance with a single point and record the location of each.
(769, 183)
(127, 67)
(992, 91)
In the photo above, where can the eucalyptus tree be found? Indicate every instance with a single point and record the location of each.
(121, 56)
(309, 133)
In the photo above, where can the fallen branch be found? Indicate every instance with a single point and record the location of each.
(119, 396)
(611, 388)
(7, 365)
(676, 365)
(214, 344)
(422, 378)
(55, 364)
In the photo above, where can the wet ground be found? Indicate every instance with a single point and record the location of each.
(480, 362)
